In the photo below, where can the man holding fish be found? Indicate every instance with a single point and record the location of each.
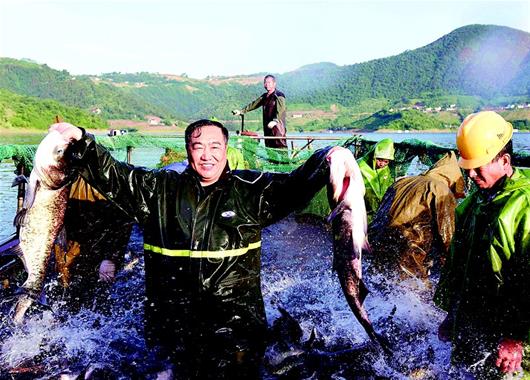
(202, 240)
(483, 284)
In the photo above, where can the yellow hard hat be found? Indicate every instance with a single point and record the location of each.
(481, 137)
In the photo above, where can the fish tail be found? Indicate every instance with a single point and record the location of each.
(20, 217)
(19, 179)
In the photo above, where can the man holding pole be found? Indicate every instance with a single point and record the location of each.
(274, 110)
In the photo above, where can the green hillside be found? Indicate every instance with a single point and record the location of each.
(18, 111)
(28, 78)
(481, 60)
(472, 67)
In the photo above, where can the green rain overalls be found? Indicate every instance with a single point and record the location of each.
(484, 284)
(376, 181)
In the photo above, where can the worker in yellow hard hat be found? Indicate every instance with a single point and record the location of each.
(483, 285)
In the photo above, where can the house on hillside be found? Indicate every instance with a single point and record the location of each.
(418, 106)
(153, 120)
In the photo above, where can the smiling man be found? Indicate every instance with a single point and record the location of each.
(484, 282)
(206, 148)
(204, 311)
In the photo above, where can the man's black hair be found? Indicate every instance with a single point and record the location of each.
(270, 76)
(203, 123)
(507, 149)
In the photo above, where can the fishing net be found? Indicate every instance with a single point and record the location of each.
(22, 155)
(257, 156)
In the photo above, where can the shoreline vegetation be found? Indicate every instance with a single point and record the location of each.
(168, 130)
(172, 130)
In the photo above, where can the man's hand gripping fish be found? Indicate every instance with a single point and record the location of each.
(41, 219)
(349, 224)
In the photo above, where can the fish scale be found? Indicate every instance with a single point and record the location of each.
(349, 225)
(42, 217)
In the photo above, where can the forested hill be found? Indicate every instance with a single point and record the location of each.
(485, 61)
(480, 60)
(32, 79)
(19, 111)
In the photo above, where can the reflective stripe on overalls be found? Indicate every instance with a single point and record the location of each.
(201, 254)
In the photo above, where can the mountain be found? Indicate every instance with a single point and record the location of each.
(481, 62)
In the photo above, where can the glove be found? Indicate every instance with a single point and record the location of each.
(107, 271)
(272, 124)
(509, 355)
(236, 112)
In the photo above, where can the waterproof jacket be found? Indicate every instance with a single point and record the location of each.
(274, 109)
(416, 218)
(484, 281)
(376, 182)
(202, 244)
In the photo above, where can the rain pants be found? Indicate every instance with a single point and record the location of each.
(484, 282)
(274, 109)
(376, 181)
(415, 222)
(96, 230)
(202, 246)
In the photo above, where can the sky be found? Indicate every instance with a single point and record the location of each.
(232, 37)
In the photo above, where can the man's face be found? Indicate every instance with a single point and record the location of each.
(487, 175)
(381, 163)
(269, 84)
(207, 153)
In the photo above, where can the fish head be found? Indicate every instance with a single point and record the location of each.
(50, 160)
(344, 173)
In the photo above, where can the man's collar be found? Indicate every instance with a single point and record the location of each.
(224, 175)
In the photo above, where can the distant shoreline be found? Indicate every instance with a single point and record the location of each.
(169, 130)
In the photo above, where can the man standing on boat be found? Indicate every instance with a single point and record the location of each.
(274, 110)
(483, 285)
(202, 240)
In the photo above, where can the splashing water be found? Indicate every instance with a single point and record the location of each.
(296, 275)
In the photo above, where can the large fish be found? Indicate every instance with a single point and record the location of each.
(41, 218)
(349, 225)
